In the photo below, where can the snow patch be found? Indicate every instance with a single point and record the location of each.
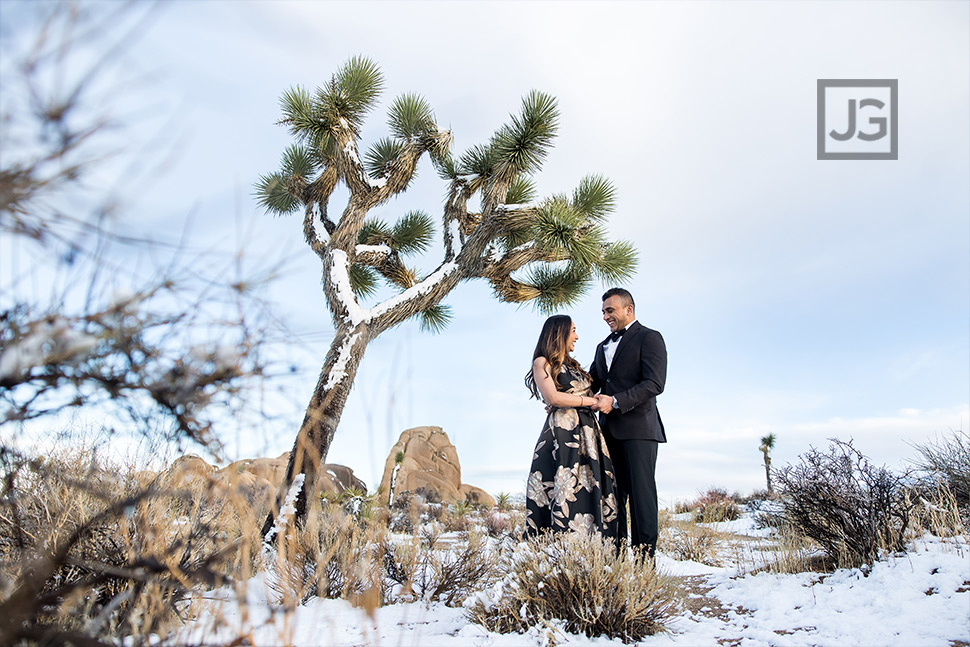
(340, 278)
(356, 315)
(418, 289)
(339, 371)
(373, 249)
(379, 183)
(920, 598)
(287, 510)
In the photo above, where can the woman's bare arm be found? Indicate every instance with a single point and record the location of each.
(547, 388)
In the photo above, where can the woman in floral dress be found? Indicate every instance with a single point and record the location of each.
(571, 484)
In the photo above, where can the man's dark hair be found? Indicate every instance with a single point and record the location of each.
(623, 294)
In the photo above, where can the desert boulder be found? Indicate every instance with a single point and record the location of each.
(424, 459)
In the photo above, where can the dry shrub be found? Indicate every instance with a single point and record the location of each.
(412, 509)
(95, 555)
(853, 509)
(690, 542)
(459, 517)
(767, 514)
(162, 353)
(715, 505)
(498, 523)
(338, 555)
(946, 463)
(332, 555)
(582, 581)
(450, 575)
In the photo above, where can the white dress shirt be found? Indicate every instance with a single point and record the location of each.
(609, 348)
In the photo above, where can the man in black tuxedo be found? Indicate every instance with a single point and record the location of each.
(629, 371)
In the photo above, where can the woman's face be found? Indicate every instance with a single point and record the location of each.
(573, 337)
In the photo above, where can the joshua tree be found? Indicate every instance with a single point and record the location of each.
(767, 444)
(493, 226)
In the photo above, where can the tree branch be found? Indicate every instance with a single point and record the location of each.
(318, 246)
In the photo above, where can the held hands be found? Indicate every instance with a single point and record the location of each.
(604, 403)
(601, 403)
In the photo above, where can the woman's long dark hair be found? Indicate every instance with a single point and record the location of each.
(552, 345)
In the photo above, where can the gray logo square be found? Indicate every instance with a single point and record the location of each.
(858, 119)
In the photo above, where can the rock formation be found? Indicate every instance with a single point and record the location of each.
(255, 479)
(424, 457)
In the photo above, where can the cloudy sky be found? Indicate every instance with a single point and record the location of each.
(812, 299)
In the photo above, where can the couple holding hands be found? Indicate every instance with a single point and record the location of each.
(597, 451)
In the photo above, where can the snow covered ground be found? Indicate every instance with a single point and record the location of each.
(921, 597)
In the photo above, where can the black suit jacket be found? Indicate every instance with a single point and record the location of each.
(636, 377)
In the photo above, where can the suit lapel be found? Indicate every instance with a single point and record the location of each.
(600, 357)
(631, 331)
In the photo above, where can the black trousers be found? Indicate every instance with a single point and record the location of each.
(635, 462)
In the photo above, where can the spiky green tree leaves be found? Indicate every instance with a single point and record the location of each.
(350, 95)
(767, 444)
(547, 252)
(522, 145)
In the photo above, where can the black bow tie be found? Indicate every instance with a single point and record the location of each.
(616, 335)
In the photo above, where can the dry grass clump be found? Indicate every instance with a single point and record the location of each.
(714, 506)
(507, 519)
(498, 523)
(687, 541)
(791, 552)
(334, 554)
(87, 553)
(582, 581)
(681, 507)
(337, 554)
(938, 512)
(945, 465)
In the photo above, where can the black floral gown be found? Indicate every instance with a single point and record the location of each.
(571, 483)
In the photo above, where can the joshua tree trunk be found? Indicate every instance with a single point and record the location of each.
(768, 472)
(767, 444)
(321, 418)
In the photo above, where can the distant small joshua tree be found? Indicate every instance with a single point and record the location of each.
(767, 444)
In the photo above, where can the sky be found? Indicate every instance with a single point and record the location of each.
(808, 298)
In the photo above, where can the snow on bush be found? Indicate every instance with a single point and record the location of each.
(436, 573)
(583, 582)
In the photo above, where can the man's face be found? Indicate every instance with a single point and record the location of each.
(617, 315)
